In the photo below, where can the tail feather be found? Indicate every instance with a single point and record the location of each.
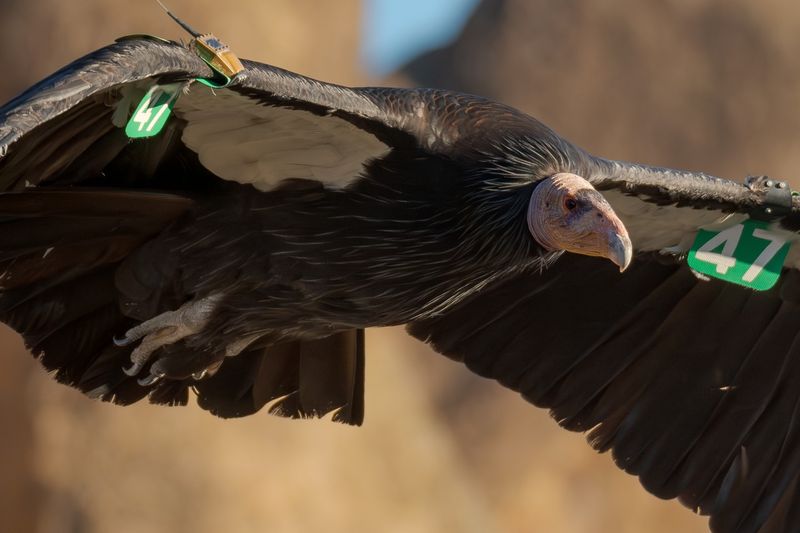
(331, 375)
(303, 379)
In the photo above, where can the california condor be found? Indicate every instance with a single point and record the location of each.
(167, 226)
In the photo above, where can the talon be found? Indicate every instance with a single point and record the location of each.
(149, 380)
(123, 341)
(134, 369)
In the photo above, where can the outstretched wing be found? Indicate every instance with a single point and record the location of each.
(692, 384)
(77, 196)
(267, 126)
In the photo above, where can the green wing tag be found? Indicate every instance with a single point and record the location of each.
(746, 254)
(153, 111)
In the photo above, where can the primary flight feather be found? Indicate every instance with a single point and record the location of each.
(242, 250)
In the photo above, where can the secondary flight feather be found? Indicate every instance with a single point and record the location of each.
(176, 220)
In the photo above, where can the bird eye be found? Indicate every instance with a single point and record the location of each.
(570, 204)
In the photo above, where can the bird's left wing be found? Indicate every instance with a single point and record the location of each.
(692, 383)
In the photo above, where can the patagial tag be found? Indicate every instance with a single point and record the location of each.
(746, 253)
(153, 111)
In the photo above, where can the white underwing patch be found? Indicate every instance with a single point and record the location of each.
(670, 228)
(658, 227)
(240, 139)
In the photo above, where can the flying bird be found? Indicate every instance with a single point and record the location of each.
(177, 220)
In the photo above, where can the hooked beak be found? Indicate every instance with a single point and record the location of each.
(620, 250)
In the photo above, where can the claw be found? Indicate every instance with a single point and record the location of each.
(134, 369)
(149, 380)
(122, 342)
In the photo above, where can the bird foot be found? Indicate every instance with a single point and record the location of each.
(166, 328)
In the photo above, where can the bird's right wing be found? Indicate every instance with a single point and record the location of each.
(267, 126)
(693, 384)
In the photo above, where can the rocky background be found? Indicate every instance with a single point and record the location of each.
(700, 84)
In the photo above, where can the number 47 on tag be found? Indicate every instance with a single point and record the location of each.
(153, 111)
(746, 254)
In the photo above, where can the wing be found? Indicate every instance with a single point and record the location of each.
(270, 125)
(692, 384)
(79, 197)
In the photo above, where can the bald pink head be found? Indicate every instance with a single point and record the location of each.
(567, 213)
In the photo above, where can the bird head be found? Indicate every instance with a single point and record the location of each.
(567, 213)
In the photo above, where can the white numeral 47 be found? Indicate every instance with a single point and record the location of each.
(145, 111)
(729, 240)
(775, 244)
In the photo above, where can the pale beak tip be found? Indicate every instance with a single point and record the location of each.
(621, 251)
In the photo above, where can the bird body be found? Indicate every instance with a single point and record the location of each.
(241, 251)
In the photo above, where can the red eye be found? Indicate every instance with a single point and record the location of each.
(570, 204)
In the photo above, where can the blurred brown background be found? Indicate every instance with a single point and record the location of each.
(700, 84)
